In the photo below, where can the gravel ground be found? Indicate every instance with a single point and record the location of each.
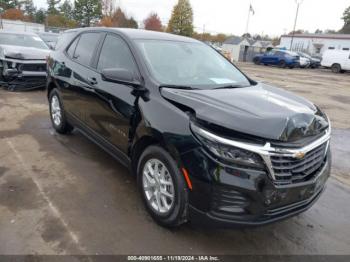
(64, 195)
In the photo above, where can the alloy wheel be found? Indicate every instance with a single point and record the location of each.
(56, 111)
(158, 186)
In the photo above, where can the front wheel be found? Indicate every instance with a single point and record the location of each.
(57, 114)
(162, 187)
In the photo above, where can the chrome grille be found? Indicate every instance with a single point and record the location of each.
(289, 169)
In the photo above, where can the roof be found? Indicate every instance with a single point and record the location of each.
(323, 36)
(139, 33)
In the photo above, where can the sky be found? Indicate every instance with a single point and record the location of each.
(272, 17)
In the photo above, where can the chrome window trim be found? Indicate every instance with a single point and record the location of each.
(265, 151)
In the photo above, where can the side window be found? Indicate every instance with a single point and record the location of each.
(71, 49)
(115, 54)
(86, 48)
(279, 54)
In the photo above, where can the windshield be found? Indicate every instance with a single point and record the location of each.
(22, 40)
(189, 64)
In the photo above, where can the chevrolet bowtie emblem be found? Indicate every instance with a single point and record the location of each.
(299, 155)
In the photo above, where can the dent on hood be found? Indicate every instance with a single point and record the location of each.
(260, 111)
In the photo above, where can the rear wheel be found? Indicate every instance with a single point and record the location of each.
(282, 64)
(162, 187)
(336, 68)
(256, 60)
(57, 114)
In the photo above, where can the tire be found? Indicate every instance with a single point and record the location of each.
(175, 213)
(256, 60)
(291, 67)
(282, 64)
(57, 114)
(336, 68)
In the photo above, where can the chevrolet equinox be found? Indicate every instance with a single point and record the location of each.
(207, 143)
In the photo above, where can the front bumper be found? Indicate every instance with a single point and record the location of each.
(229, 196)
(22, 74)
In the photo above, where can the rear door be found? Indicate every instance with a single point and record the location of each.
(77, 95)
(347, 61)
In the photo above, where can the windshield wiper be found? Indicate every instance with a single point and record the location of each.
(230, 86)
(179, 87)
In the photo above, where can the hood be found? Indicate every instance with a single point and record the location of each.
(260, 110)
(24, 53)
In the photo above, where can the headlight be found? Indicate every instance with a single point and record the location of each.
(226, 152)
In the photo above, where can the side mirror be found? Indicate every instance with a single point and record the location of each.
(120, 76)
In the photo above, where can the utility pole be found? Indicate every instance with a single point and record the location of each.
(203, 32)
(247, 26)
(299, 2)
(1, 26)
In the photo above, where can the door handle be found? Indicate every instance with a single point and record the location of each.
(92, 81)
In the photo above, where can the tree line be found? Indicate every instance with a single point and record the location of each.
(81, 13)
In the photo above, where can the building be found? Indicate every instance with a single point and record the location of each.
(316, 44)
(244, 49)
(20, 26)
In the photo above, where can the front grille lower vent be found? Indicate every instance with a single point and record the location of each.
(289, 170)
(33, 67)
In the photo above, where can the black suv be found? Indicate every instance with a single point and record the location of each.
(206, 142)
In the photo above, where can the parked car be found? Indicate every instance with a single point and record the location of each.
(337, 60)
(304, 62)
(279, 58)
(49, 38)
(314, 61)
(22, 61)
(206, 142)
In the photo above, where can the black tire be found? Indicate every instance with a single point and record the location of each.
(282, 64)
(291, 67)
(63, 127)
(336, 68)
(256, 60)
(177, 214)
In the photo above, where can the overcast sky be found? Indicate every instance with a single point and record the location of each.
(273, 17)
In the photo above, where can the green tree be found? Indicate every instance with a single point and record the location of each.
(131, 23)
(40, 16)
(87, 12)
(181, 21)
(7, 4)
(29, 8)
(66, 9)
(346, 18)
(52, 7)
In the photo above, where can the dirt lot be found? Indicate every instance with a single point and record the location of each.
(64, 195)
